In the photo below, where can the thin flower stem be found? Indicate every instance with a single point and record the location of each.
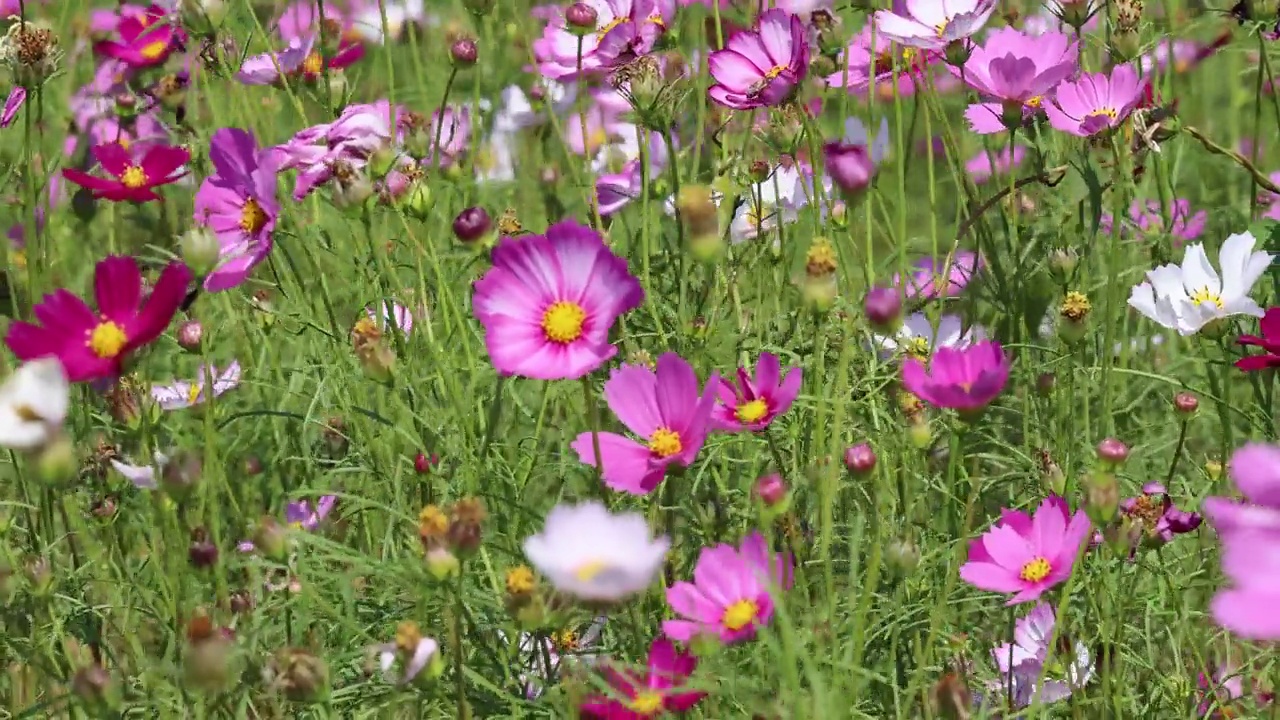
(1177, 453)
(444, 103)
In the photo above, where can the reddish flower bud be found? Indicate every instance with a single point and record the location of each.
(190, 334)
(771, 489)
(581, 16)
(471, 224)
(860, 459)
(423, 463)
(883, 307)
(1113, 451)
(464, 52)
(1186, 402)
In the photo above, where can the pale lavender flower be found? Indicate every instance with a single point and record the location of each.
(181, 394)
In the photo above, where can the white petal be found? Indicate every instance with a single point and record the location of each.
(1198, 273)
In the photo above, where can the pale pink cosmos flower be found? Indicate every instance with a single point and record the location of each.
(209, 382)
(588, 553)
(1095, 102)
(761, 67)
(964, 379)
(271, 67)
(1027, 554)
(1251, 561)
(872, 59)
(1016, 71)
(1255, 471)
(624, 29)
(453, 127)
(730, 597)
(1148, 218)
(392, 314)
(981, 168)
(1270, 200)
(665, 409)
(549, 301)
(942, 277)
(753, 402)
(933, 24)
(302, 515)
(1033, 668)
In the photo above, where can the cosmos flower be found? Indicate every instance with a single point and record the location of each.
(1154, 514)
(773, 202)
(1251, 562)
(181, 394)
(1254, 469)
(12, 104)
(238, 203)
(1270, 200)
(928, 281)
(853, 161)
(1269, 326)
(1029, 663)
(548, 302)
(142, 476)
(981, 168)
(33, 404)
(94, 344)
(645, 694)
(1186, 298)
(729, 598)
(752, 403)
(301, 515)
(367, 20)
(412, 653)
(454, 129)
(917, 337)
(393, 314)
(134, 180)
(1027, 555)
(1096, 101)
(962, 379)
(933, 25)
(143, 41)
(871, 61)
(271, 67)
(1148, 217)
(664, 408)
(761, 67)
(624, 29)
(590, 554)
(1015, 72)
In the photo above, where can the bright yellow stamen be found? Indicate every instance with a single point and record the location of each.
(314, 64)
(133, 177)
(940, 28)
(610, 26)
(155, 49)
(656, 19)
(753, 411)
(565, 640)
(646, 702)
(1104, 112)
(252, 217)
(587, 571)
(917, 347)
(124, 142)
(1036, 570)
(665, 442)
(740, 615)
(193, 393)
(1204, 295)
(562, 322)
(1034, 102)
(775, 71)
(107, 340)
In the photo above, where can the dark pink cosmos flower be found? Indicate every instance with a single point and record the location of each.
(962, 379)
(1269, 326)
(134, 180)
(1155, 515)
(13, 103)
(143, 41)
(94, 345)
(238, 203)
(645, 694)
(752, 403)
(761, 67)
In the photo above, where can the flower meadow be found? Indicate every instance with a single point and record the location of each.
(622, 359)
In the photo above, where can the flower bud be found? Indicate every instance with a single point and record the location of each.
(1055, 480)
(464, 52)
(883, 308)
(419, 201)
(771, 490)
(472, 224)
(352, 192)
(860, 459)
(920, 435)
(1186, 403)
(1213, 469)
(190, 335)
(209, 660)
(903, 556)
(581, 18)
(201, 552)
(1125, 44)
(1073, 316)
(442, 563)
(1112, 452)
(422, 463)
(301, 676)
(1102, 497)
(1063, 262)
(1044, 384)
(200, 250)
(957, 52)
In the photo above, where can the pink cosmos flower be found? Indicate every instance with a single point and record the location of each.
(624, 29)
(1255, 470)
(874, 60)
(1029, 664)
(963, 379)
(1156, 517)
(300, 19)
(454, 128)
(300, 514)
(1270, 200)
(981, 168)
(753, 403)
(665, 409)
(761, 67)
(932, 25)
(1223, 692)
(548, 302)
(1016, 71)
(729, 598)
(271, 67)
(1181, 56)
(12, 104)
(616, 189)
(93, 345)
(1251, 561)
(208, 382)
(392, 314)
(143, 41)
(238, 203)
(1027, 555)
(642, 695)
(928, 281)
(853, 161)
(1147, 216)
(134, 179)
(1096, 101)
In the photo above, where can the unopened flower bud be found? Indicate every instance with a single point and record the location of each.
(1063, 262)
(920, 434)
(1112, 452)
(860, 459)
(472, 224)
(581, 18)
(1125, 44)
(251, 466)
(352, 192)
(442, 563)
(903, 556)
(201, 552)
(422, 463)
(883, 308)
(771, 490)
(200, 250)
(1186, 403)
(190, 335)
(1102, 497)
(57, 462)
(464, 52)
(1213, 469)
(209, 661)
(1044, 384)
(300, 675)
(957, 52)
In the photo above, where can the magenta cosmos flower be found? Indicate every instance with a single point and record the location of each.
(932, 24)
(1269, 326)
(1016, 71)
(1027, 555)
(640, 695)
(1155, 515)
(853, 161)
(624, 29)
(12, 104)
(729, 598)
(238, 203)
(664, 408)
(144, 40)
(1095, 102)
(549, 300)
(963, 379)
(753, 403)
(134, 179)
(94, 345)
(761, 67)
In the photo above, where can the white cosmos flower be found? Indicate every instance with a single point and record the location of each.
(1029, 663)
(590, 554)
(776, 201)
(142, 476)
(368, 22)
(918, 337)
(33, 404)
(1188, 297)
(181, 394)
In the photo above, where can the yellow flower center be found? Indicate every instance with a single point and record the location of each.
(193, 393)
(18, 259)
(1036, 570)
(916, 347)
(1104, 112)
(520, 580)
(740, 615)
(940, 28)
(407, 637)
(752, 411)
(610, 26)
(565, 640)
(314, 64)
(123, 141)
(154, 49)
(252, 217)
(1034, 102)
(133, 177)
(646, 702)
(562, 322)
(1204, 295)
(1076, 306)
(656, 19)
(665, 442)
(775, 71)
(107, 340)
(587, 571)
